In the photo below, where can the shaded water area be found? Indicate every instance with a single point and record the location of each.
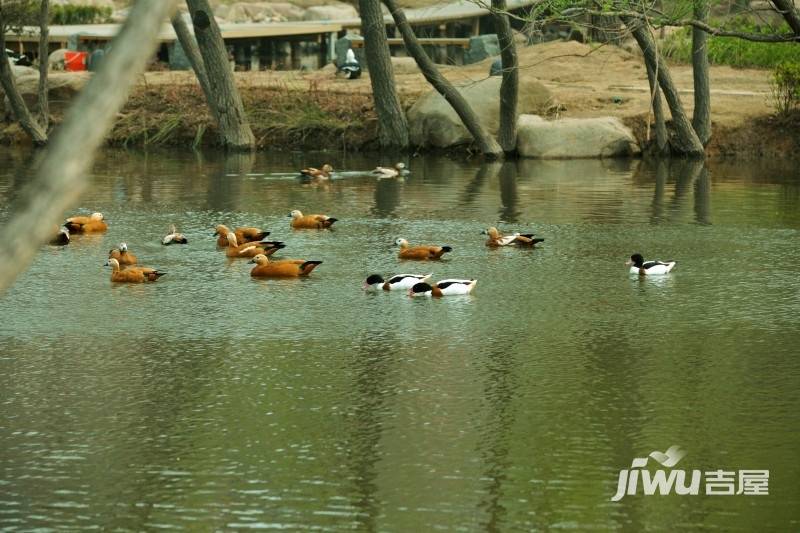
(210, 400)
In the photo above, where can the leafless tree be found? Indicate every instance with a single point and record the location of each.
(392, 123)
(486, 143)
(234, 129)
(662, 137)
(9, 13)
(43, 103)
(685, 140)
(189, 45)
(790, 14)
(509, 87)
(701, 118)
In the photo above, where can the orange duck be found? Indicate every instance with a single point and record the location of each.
(312, 173)
(122, 255)
(251, 249)
(420, 252)
(301, 221)
(95, 223)
(132, 274)
(288, 268)
(243, 234)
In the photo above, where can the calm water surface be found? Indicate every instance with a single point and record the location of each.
(213, 401)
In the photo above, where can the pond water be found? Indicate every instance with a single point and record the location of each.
(210, 400)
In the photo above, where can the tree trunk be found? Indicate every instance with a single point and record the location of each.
(392, 123)
(701, 118)
(21, 112)
(685, 140)
(234, 130)
(43, 106)
(64, 170)
(189, 45)
(486, 142)
(662, 137)
(790, 14)
(509, 88)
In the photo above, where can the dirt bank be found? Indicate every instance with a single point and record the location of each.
(314, 109)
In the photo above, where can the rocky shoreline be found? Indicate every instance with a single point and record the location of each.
(566, 112)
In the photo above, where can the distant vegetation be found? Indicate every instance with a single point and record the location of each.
(785, 86)
(732, 51)
(27, 14)
(72, 14)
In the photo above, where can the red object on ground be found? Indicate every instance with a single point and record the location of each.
(75, 61)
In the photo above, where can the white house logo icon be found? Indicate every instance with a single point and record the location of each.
(663, 482)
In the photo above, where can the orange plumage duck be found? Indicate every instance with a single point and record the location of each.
(287, 268)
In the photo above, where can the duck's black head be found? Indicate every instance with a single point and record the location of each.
(637, 260)
(374, 278)
(421, 287)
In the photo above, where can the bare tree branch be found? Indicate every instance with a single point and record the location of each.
(9, 84)
(790, 14)
(486, 143)
(43, 104)
(62, 175)
(509, 87)
(189, 45)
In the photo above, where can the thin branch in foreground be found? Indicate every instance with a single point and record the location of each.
(63, 173)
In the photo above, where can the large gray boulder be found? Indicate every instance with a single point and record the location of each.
(574, 138)
(433, 123)
(481, 47)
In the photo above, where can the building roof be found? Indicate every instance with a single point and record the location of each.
(105, 32)
(435, 14)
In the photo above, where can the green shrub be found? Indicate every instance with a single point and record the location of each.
(77, 14)
(785, 87)
(732, 50)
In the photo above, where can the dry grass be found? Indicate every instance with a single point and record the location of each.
(280, 116)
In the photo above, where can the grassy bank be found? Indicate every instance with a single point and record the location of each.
(281, 117)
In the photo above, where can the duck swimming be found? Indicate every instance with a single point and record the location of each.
(301, 221)
(173, 237)
(132, 274)
(420, 252)
(251, 249)
(122, 255)
(243, 234)
(94, 223)
(443, 288)
(497, 239)
(312, 173)
(641, 267)
(287, 268)
(399, 281)
(61, 238)
(388, 172)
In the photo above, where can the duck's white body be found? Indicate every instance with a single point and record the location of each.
(174, 237)
(388, 172)
(385, 172)
(448, 287)
(399, 281)
(653, 268)
(456, 286)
